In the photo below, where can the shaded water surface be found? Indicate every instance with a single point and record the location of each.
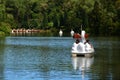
(49, 58)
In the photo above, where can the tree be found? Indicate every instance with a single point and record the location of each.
(97, 17)
(2, 10)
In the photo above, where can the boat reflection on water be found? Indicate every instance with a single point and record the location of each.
(82, 63)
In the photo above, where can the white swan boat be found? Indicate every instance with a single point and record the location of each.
(82, 46)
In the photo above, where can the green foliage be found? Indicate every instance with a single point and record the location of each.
(98, 17)
(5, 28)
(2, 34)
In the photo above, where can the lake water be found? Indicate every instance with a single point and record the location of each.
(49, 58)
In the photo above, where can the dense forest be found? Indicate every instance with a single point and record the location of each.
(98, 17)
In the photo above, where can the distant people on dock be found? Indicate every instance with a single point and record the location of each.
(22, 30)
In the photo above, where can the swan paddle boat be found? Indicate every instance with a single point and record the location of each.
(82, 46)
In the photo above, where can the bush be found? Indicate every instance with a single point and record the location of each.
(5, 28)
(2, 34)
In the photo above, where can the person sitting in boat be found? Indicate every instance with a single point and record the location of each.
(88, 46)
(76, 35)
(77, 41)
(87, 41)
(86, 36)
